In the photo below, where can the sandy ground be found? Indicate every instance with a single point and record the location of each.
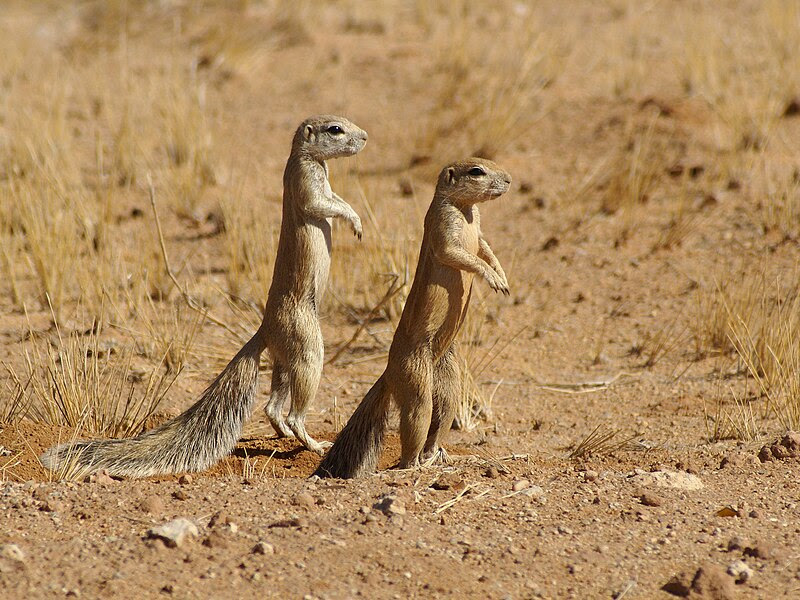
(597, 335)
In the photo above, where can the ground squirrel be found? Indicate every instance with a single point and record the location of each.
(209, 429)
(422, 372)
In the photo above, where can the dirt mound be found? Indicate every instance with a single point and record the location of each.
(22, 444)
(284, 457)
(786, 447)
(254, 455)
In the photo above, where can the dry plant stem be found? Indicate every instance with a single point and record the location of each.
(455, 500)
(583, 387)
(472, 400)
(190, 302)
(18, 406)
(394, 289)
(16, 296)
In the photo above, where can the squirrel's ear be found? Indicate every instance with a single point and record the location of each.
(451, 175)
(308, 132)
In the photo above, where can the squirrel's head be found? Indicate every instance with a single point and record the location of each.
(328, 136)
(472, 180)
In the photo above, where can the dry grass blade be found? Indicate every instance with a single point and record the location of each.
(493, 461)
(17, 404)
(395, 287)
(741, 422)
(455, 500)
(171, 338)
(190, 302)
(474, 405)
(662, 342)
(583, 387)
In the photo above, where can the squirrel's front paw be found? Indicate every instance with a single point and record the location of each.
(355, 223)
(504, 283)
(497, 283)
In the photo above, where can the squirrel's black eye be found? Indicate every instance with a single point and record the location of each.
(476, 172)
(335, 130)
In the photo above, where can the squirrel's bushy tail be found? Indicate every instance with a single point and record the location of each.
(358, 446)
(194, 440)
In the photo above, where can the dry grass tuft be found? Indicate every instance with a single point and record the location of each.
(91, 386)
(778, 206)
(735, 416)
(765, 336)
(757, 318)
(746, 80)
(600, 442)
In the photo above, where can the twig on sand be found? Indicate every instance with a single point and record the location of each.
(394, 288)
(458, 497)
(583, 387)
(190, 302)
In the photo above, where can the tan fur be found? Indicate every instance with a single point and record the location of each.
(209, 429)
(422, 372)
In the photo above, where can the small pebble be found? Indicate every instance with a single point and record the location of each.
(219, 518)
(153, 505)
(740, 571)
(391, 505)
(760, 549)
(649, 499)
(304, 499)
(174, 533)
(101, 477)
(520, 484)
(735, 543)
(12, 551)
(263, 548)
(535, 491)
(53, 505)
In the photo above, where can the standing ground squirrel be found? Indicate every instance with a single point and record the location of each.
(210, 428)
(422, 372)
